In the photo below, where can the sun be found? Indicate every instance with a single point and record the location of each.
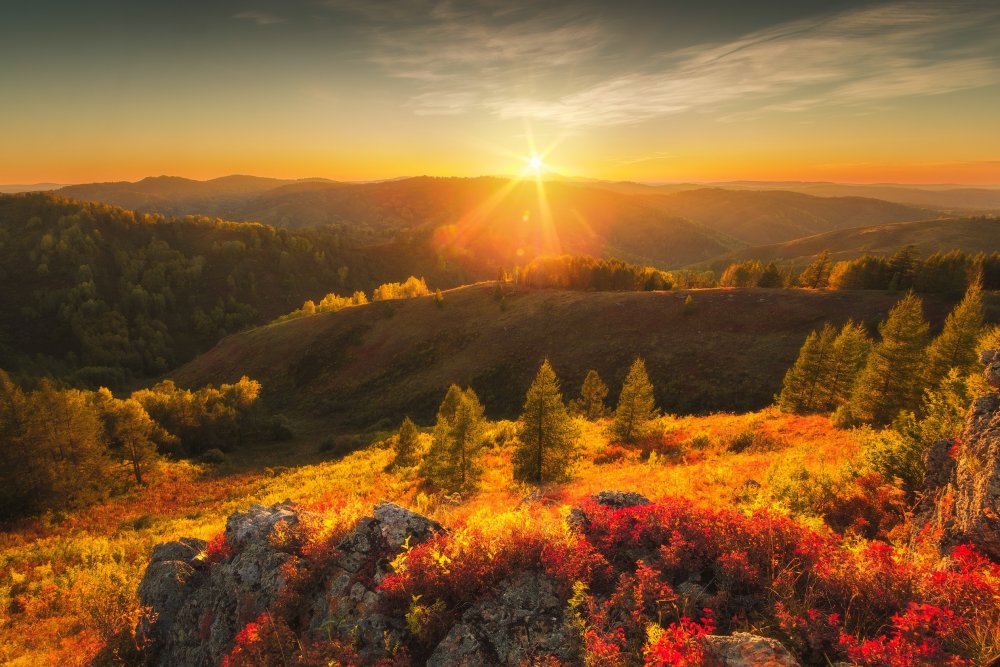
(534, 165)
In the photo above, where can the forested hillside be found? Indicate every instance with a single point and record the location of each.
(102, 294)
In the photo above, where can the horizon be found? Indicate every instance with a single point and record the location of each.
(856, 92)
(549, 177)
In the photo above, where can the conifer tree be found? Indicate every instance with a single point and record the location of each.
(452, 463)
(450, 403)
(802, 388)
(850, 351)
(591, 405)
(891, 379)
(546, 433)
(771, 276)
(636, 405)
(817, 274)
(407, 444)
(956, 346)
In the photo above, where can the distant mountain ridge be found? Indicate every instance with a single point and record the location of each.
(508, 221)
(970, 235)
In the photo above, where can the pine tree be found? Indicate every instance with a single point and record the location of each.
(590, 405)
(802, 389)
(450, 403)
(817, 274)
(407, 444)
(636, 405)
(891, 379)
(771, 276)
(850, 351)
(452, 462)
(956, 346)
(546, 434)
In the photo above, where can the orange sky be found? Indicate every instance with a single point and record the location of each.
(850, 91)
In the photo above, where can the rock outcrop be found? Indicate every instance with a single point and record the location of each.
(977, 473)
(197, 606)
(201, 600)
(349, 603)
(521, 624)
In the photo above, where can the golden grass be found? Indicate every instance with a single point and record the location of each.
(68, 582)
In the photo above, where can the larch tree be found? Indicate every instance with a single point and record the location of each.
(955, 347)
(452, 399)
(850, 351)
(452, 462)
(636, 404)
(547, 434)
(407, 444)
(892, 379)
(817, 274)
(591, 405)
(802, 388)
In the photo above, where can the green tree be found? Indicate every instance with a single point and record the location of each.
(452, 399)
(591, 405)
(802, 389)
(817, 274)
(452, 462)
(956, 346)
(850, 351)
(891, 379)
(546, 433)
(771, 276)
(636, 404)
(407, 444)
(129, 431)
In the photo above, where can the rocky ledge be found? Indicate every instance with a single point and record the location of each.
(199, 599)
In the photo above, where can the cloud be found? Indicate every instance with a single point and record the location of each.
(260, 18)
(516, 61)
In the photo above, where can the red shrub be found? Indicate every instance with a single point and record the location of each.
(918, 639)
(218, 549)
(680, 645)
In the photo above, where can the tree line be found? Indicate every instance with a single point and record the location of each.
(62, 449)
(949, 273)
(410, 288)
(546, 442)
(914, 387)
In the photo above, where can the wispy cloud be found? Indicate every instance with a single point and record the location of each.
(515, 61)
(260, 18)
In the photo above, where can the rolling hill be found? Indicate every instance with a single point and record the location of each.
(496, 221)
(173, 195)
(970, 235)
(946, 197)
(359, 366)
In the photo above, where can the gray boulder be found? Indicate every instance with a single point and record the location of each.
(742, 649)
(578, 520)
(197, 608)
(519, 625)
(349, 605)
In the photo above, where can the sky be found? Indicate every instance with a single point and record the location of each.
(670, 91)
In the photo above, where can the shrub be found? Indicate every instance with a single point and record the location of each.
(214, 456)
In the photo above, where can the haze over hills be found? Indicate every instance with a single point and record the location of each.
(948, 197)
(970, 235)
(507, 220)
(173, 195)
